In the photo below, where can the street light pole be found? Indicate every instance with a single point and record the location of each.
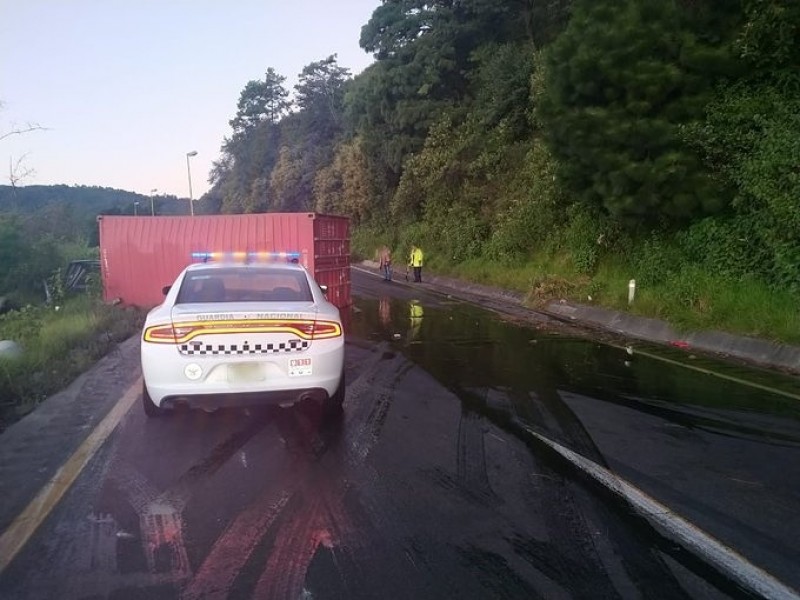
(135, 208)
(152, 206)
(189, 172)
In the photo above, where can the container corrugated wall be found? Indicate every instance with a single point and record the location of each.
(140, 255)
(332, 257)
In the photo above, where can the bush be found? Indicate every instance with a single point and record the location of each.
(365, 241)
(751, 139)
(689, 288)
(57, 345)
(656, 259)
(533, 211)
(729, 246)
(461, 233)
(586, 236)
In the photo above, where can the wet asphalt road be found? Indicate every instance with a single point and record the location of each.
(425, 488)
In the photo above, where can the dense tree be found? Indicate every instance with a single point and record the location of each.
(270, 161)
(251, 152)
(286, 183)
(621, 81)
(247, 156)
(425, 54)
(261, 101)
(770, 36)
(13, 252)
(501, 81)
(343, 187)
(320, 94)
(500, 126)
(750, 140)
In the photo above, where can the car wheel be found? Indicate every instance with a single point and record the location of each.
(333, 405)
(150, 409)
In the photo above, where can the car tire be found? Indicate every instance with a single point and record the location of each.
(150, 409)
(333, 405)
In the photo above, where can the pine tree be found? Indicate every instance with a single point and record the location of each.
(621, 82)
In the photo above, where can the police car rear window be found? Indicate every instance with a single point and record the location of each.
(244, 285)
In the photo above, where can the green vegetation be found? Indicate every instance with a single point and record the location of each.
(58, 344)
(560, 148)
(42, 229)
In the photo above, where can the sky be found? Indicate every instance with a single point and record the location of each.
(124, 89)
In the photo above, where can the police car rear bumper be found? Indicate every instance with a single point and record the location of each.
(249, 399)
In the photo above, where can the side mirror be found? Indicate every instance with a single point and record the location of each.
(165, 290)
(324, 289)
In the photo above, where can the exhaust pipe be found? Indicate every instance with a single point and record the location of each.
(303, 398)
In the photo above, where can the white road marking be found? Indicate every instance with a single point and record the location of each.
(706, 371)
(688, 535)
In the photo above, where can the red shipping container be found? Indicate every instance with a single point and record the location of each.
(140, 255)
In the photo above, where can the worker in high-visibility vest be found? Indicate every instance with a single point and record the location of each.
(415, 262)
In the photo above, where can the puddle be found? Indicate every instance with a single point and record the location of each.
(492, 363)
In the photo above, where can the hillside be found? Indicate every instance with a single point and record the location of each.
(89, 200)
(568, 145)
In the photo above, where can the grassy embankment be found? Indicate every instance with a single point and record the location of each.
(57, 346)
(693, 300)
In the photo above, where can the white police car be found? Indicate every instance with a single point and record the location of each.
(237, 333)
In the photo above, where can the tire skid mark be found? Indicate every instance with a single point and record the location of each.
(366, 516)
(234, 548)
(83, 551)
(326, 520)
(570, 541)
(632, 562)
(137, 489)
(471, 458)
(497, 576)
(294, 547)
(569, 519)
(317, 517)
(180, 493)
(310, 512)
(569, 572)
(320, 517)
(373, 392)
(569, 425)
(161, 522)
(589, 553)
(455, 486)
(90, 558)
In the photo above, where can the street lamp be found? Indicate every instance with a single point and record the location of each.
(152, 206)
(135, 208)
(189, 172)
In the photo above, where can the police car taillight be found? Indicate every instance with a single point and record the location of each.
(184, 332)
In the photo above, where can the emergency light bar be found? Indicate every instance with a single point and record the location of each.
(245, 256)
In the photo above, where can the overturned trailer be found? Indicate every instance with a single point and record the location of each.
(140, 255)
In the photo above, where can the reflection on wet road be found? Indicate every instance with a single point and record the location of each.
(424, 489)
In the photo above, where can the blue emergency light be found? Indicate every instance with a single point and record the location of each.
(248, 256)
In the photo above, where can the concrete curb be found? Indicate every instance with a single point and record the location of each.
(752, 350)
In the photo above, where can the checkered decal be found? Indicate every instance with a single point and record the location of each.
(236, 349)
